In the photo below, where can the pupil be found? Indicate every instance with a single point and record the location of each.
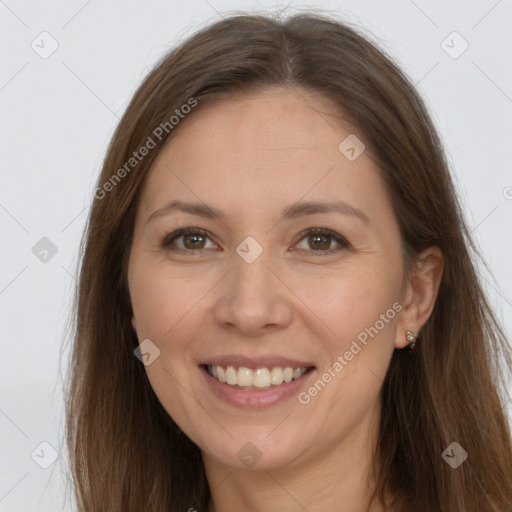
(322, 240)
(194, 239)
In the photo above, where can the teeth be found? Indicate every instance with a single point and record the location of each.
(296, 373)
(276, 376)
(231, 376)
(259, 378)
(244, 377)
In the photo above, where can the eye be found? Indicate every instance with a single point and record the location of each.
(190, 239)
(320, 240)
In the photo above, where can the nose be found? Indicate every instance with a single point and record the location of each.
(252, 301)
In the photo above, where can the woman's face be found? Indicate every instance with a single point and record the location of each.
(250, 288)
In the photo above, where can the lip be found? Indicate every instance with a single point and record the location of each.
(253, 399)
(265, 361)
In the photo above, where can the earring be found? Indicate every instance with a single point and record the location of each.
(410, 337)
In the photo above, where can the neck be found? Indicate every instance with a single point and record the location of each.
(340, 477)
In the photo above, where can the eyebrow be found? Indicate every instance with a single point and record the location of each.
(292, 212)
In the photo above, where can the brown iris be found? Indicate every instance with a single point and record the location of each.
(319, 241)
(194, 241)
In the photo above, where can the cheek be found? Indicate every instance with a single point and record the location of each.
(163, 302)
(169, 312)
(350, 302)
(360, 308)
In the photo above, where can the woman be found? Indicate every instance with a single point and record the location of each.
(277, 306)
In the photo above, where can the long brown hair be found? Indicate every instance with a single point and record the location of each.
(126, 452)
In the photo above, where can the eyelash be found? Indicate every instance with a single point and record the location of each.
(171, 237)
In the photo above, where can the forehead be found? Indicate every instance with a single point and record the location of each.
(266, 148)
(276, 119)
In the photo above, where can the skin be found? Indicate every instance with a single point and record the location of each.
(251, 157)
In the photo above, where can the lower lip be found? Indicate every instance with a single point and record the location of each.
(248, 398)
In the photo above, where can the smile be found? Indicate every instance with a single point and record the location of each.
(255, 379)
(257, 387)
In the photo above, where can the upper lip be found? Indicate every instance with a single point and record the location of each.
(265, 361)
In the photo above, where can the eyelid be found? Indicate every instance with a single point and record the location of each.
(341, 240)
(174, 235)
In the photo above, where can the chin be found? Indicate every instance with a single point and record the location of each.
(255, 453)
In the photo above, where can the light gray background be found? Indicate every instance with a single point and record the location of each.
(58, 115)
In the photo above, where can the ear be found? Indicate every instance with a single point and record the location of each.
(134, 323)
(420, 293)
